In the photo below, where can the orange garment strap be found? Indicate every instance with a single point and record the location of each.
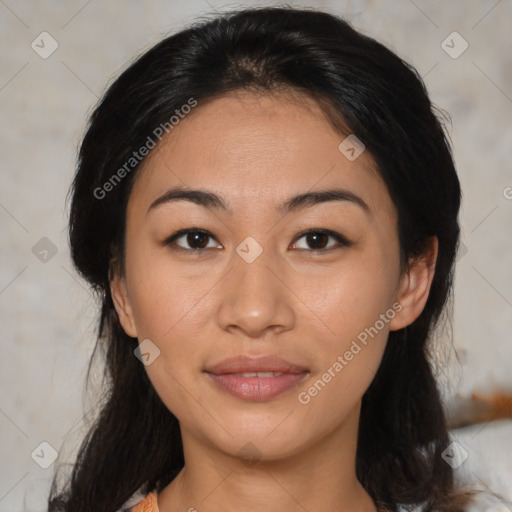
(148, 504)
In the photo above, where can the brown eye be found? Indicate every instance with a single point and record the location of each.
(197, 240)
(192, 240)
(318, 239)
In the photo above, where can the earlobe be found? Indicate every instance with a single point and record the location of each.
(415, 286)
(123, 306)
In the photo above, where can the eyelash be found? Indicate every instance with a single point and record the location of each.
(343, 241)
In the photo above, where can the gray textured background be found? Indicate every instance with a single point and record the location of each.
(47, 314)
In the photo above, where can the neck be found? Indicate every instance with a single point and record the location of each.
(319, 477)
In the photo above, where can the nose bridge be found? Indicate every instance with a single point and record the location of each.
(254, 298)
(253, 263)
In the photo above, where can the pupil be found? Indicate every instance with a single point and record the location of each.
(313, 239)
(197, 237)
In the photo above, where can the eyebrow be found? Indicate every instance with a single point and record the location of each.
(213, 201)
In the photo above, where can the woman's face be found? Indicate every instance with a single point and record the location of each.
(254, 284)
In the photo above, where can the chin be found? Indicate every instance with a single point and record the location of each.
(253, 439)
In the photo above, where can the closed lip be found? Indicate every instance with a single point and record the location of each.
(247, 364)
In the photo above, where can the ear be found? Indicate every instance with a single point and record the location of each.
(414, 286)
(123, 305)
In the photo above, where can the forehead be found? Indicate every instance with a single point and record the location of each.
(251, 147)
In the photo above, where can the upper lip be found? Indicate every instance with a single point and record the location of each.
(246, 364)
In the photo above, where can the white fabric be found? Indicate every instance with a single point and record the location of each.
(489, 463)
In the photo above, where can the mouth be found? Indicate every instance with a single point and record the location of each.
(256, 379)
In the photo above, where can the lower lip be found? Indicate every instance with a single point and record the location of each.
(256, 389)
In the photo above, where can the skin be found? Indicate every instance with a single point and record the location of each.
(306, 306)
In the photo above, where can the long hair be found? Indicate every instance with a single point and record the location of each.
(363, 88)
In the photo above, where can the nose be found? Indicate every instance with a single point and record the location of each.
(255, 297)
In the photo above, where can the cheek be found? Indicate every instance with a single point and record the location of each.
(174, 310)
(349, 350)
(348, 301)
(169, 298)
(355, 308)
(331, 396)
